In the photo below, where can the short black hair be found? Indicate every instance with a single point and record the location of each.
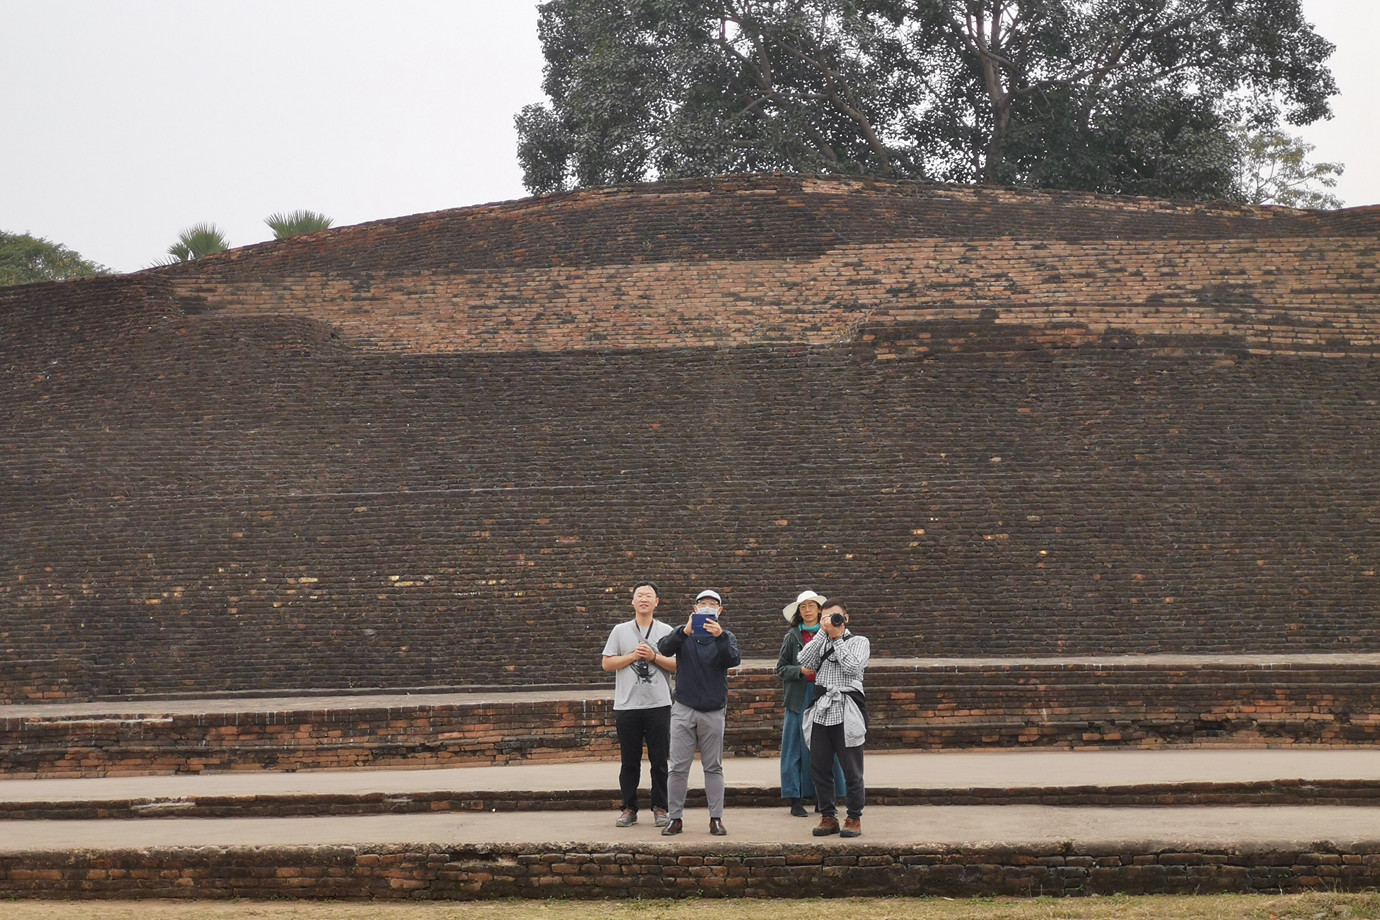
(655, 589)
(833, 602)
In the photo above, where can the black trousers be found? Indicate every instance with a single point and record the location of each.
(636, 728)
(826, 743)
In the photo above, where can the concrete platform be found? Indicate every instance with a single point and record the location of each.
(1012, 827)
(543, 802)
(934, 771)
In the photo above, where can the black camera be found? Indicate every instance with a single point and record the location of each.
(837, 619)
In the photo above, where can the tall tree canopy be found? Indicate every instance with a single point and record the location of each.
(1131, 96)
(25, 259)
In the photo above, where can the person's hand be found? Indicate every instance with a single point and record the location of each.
(808, 674)
(832, 631)
(645, 652)
(711, 626)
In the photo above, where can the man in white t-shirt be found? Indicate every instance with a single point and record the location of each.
(641, 701)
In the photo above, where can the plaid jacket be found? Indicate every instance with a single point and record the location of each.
(839, 667)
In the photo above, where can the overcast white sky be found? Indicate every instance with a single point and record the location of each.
(125, 121)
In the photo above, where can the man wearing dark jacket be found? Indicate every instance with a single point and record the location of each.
(704, 651)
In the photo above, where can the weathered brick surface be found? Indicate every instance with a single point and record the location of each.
(1280, 296)
(754, 871)
(320, 464)
(911, 708)
(734, 262)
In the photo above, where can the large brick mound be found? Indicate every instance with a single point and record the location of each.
(436, 451)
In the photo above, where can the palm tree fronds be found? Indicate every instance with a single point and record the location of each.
(296, 223)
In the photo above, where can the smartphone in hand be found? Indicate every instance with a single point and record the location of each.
(697, 621)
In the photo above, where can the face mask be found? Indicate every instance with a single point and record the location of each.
(706, 611)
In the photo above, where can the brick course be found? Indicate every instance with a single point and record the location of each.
(487, 872)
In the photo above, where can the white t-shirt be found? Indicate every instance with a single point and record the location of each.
(641, 685)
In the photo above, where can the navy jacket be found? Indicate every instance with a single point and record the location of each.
(702, 664)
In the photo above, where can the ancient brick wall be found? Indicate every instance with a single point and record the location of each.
(911, 707)
(388, 873)
(45, 680)
(237, 517)
(207, 492)
(734, 262)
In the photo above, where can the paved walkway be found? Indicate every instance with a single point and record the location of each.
(1106, 830)
(994, 769)
(1111, 829)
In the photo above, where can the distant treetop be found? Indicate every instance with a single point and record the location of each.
(25, 259)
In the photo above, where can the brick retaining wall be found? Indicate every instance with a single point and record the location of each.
(486, 872)
(1063, 706)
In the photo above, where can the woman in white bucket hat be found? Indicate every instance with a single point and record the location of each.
(796, 782)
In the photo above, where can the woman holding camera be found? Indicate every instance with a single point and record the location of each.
(796, 782)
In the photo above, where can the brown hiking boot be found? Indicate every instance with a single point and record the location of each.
(852, 827)
(826, 827)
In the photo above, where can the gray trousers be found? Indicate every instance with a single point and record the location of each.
(691, 729)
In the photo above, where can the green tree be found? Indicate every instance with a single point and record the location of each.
(25, 259)
(195, 242)
(1136, 96)
(1274, 169)
(296, 223)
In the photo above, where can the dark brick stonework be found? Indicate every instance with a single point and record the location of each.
(748, 218)
(486, 872)
(207, 489)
